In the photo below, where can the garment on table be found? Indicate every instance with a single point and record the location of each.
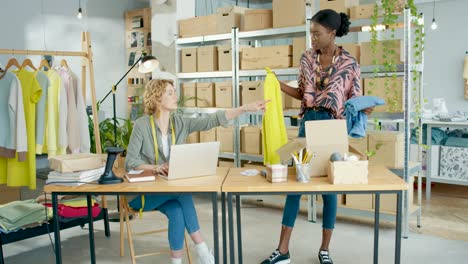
(344, 82)
(438, 136)
(82, 116)
(13, 136)
(72, 116)
(456, 142)
(76, 212)
(44, 82)
(356, 120)
(20, 213)
(274, 131)
(53, 112)
(24, 173)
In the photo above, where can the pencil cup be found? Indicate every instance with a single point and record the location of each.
(303, 172)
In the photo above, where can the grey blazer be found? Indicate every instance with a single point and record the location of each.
(140, 149)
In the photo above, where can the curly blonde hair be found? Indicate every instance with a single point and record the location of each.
(154, 90)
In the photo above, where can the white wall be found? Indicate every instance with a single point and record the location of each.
(445, 52)
(104, 19)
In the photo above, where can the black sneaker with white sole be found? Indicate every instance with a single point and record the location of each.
(277, 258)
(324, 257)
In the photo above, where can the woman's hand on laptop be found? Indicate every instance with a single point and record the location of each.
(162, 169)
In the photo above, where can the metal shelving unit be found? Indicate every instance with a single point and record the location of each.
(235, 37)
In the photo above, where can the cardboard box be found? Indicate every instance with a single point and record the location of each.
(340, 6)
(9, 194)
(393, 98)
(208, 135)
(198, 26)
(290, 102)
(188, 90)
(325, 137)
(225, 135)
(231, 9)
(225, 163)
(288, 13)
(225, 58)
(349, 172)
(188, 59)
(388, 201)
(275, 57)
(223, 94)
(292, 132)
(256, 19)
(299, 47)
(76, 162)
(226, 21)
(360, 144)
(193, 137)
(362, 11)
(360, 201)
(341, 199)
(207, 59)
(277, 173)
(390, 148)
(251, 91)
(206, 94)
(367, 56)
(251, 140)
(353, 49)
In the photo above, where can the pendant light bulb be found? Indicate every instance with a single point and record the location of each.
(80, 13)
(434, 24)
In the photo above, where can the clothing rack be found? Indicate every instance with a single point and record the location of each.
(87, 61)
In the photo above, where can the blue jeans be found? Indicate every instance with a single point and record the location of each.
(291, 207)
(180, 211)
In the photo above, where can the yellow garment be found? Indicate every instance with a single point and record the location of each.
(82, 202)
(274, 131)
(52, 117)
(24, 173)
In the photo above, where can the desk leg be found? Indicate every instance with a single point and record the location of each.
(239, 229)
(231, 229)
(223, 216)
(58, 246)
(2, 261)
(214, 198)
(428, 162)
(106, 222)
(376, 227)
(91, 228)
(398, 229)
(311, 208)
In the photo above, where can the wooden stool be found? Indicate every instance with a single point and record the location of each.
(125, 211)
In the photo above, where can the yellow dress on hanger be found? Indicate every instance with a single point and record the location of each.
(274, 131)
(24, 173)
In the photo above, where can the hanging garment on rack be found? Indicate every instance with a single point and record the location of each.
(13, 129)
(24, 173)
(83, 127)
(72, 115)
(51, 145)
(274, 131)
(44, 82)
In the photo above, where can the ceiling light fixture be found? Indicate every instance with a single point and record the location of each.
(434, 24)
(80, 11)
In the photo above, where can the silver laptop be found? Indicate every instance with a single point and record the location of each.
(193, 160)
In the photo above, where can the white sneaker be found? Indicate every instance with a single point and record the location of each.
(206, 258)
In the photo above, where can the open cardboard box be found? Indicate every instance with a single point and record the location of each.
(323, 138)
(349, 172)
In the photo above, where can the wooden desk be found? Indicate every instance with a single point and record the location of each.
(207, 184)
(381, 180)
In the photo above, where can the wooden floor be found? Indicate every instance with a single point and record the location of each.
(446, 214)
